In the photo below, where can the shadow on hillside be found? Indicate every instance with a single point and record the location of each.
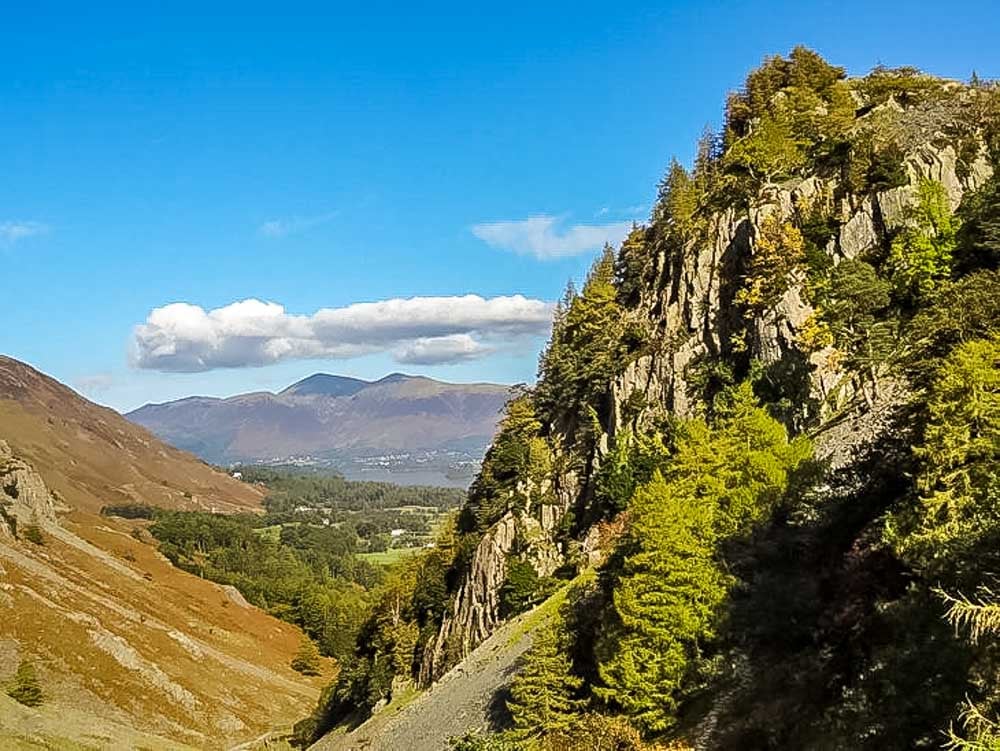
(497, 712)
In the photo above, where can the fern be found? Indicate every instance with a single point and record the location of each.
(986, 732)
(980, 617)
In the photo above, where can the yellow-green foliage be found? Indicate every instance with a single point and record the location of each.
(770, 150)
(597, 732)
(921, 256)
(788, 110)
(542, 695)
(306, 660)
(958, 484)
(721, 481)
(980, 618)
(677, 200)
(906, 85)
(630, 462)
(778, 253)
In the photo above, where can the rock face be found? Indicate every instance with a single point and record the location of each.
(692, 306)
(688, 300)
(475, 610)
(24, 498)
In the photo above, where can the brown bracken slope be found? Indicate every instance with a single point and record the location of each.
(131, 652)
(95, 457)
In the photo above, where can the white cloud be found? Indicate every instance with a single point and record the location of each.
(11, 232)
(442, 349)
(181, 337)
(542, 237)
(95, 384)
(276, 228)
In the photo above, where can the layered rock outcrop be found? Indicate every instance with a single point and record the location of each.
(24, 497)
(688, 300)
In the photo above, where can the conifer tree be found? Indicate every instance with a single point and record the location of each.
(721, 481)
(677, 200)
(24, 687)
(852, 308)
(920, 257)
(542, 694)
(980, 618)
(585, 350)
(950, 534)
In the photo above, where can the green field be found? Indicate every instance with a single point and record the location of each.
(388, 557)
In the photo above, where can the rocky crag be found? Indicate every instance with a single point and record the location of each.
(687, 291)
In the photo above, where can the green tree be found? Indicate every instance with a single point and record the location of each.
(24, 687)
(542, 694)
(585, 351)
(979, 235)
(518, 453)
(778, 254)
(520, 588)
(951, 532)
(676, 200)
(721, 481)
(920, 257)
(962, 311)
(853, 308)
(665, 603)
(980, 618)
(770, 150)
(306, 660)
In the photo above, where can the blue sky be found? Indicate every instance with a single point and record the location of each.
(328, 156)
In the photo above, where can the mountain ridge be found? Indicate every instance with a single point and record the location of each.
(323, 414)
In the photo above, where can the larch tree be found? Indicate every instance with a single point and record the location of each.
(542, 697)
(721, 481)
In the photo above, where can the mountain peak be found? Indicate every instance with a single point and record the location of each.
(326, 385)
(400, 378)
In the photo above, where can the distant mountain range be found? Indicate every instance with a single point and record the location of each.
(325, 416)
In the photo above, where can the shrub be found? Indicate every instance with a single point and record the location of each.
(33, 534)
(306, 660)
(24, 687)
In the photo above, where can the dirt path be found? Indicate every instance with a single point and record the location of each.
(471, 696)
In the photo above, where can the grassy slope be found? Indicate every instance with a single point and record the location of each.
(118, 635)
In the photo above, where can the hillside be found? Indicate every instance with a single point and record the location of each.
(469, 698)
(129, 651)
(95, 457)
(325, 414)
(772, 419)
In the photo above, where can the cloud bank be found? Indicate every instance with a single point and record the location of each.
(542, 237)
(185, 338)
